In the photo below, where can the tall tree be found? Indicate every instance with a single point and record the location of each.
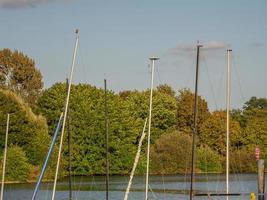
(26, 130)
(254, 102)
(212, 132)
(185, 110)
(19, 74)
(166, 89)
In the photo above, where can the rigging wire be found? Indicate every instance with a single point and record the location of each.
(83, 66)
(210, 82)
(235, 66)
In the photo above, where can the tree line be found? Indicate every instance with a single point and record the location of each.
(35, 112)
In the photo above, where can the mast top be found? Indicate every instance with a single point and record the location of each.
(198, 44)
(77, 31)
(229, 49)
(153, 58)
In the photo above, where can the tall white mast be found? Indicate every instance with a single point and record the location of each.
(4, 161)
(65, 113)
(152, 59)
(228, 118)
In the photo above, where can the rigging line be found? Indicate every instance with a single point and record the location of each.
(238, 166)
(189, 75)
(221, 85)
(80, 54)
(159, 79)
(206, 171)
(152, 192)
(210, 83)
(238, 78)
(79, 186)
(164, 189)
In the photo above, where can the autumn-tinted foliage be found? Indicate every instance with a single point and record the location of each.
(19, 74)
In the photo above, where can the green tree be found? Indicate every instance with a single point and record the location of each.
(88, 129)
(185, 110)
(208, 160)
(243, 160)
(26, 130)
(212, 132)
(19, 74)
(254, 102)
(164, 88)
(171, 153)
(17, 165)
(163, 110)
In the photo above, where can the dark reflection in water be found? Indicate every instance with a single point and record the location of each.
(161, 187)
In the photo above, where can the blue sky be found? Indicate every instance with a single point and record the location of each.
(117, 37)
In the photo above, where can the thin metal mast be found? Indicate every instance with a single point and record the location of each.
(69, 146)
(106, 131)
(228, 118)
(194, 126)
(152, 59)
(4, 162)
(65, 114)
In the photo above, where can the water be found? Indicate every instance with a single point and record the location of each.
(162, 187)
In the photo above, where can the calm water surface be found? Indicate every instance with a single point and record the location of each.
(161, 187)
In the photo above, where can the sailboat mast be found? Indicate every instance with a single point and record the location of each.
(137, 156)
(194, 126)
(228, 118)
(65, 113)
(69, 147)
(4, 161)
(152, 59)
(107, 141)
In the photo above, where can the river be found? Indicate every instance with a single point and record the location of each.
(161, 187)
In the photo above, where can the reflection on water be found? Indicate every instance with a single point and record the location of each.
(161, 187)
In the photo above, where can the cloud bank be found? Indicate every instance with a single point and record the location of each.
(24, 3)
(211, 45)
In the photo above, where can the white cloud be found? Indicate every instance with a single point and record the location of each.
(23, 3)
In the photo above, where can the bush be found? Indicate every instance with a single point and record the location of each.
(208, 160)
(17, 165)
(171, 154)
(243, 160)
(26, 129)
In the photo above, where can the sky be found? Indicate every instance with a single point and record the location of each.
(117, 38)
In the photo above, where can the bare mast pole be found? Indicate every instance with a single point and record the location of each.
(65, 113)
(107, 141)
(194, 126)
(69, 147)
(152, 59)
(228, 118)
(4, 161)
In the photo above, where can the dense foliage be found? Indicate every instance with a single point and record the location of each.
(18, 73)
(171, 133)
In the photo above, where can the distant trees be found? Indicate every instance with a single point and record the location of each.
(28, 139)
(185, 110)
(171, 131)
(171, 153)
(126, 118)
(17, 166)
(212, 132)
(27, 130)
(19, 74)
